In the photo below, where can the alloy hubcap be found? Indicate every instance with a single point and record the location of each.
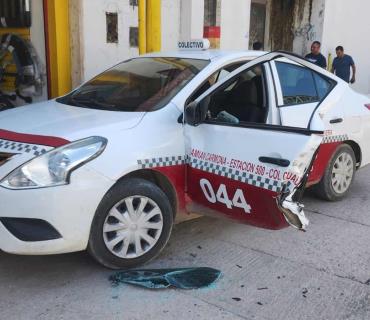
(342, 173)
(133, 227)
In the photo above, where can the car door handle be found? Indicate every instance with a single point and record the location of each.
(338, 120)
(278, 161)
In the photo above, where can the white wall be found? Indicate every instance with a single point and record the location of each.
(347, 23)
(98, 55)
(38, 41)
(170, 24)
(192, 19)
(76, 41)
(235, 23)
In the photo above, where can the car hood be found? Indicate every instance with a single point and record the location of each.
(71, 123)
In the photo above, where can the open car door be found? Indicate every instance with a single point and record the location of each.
(239, 166)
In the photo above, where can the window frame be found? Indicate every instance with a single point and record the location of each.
(270, 58)
(265, 100)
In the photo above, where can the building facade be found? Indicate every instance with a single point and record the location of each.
(78, 39)
(290, 25)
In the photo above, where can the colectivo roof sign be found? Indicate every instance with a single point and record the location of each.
(194, 45)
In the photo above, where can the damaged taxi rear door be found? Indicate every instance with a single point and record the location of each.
(240, 166)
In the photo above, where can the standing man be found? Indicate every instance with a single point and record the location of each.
(315, 56)
(342, 65)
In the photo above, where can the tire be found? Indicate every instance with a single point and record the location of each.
(153, 221)
(328, 188)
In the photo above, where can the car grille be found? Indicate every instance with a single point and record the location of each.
(4, 157)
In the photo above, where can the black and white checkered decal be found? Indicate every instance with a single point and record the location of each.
(234, 174)
(333, 139)
(248, 178)
(161, 162)
(19, 147)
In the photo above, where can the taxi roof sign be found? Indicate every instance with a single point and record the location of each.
(194, 45)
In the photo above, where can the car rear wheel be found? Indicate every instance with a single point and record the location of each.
(132, 225)
(338, 176)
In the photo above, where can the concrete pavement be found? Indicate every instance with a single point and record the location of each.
(321, 274)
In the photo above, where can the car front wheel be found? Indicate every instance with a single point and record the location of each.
(132, 225)
(338, 176)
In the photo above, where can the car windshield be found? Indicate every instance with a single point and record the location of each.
(141, 84)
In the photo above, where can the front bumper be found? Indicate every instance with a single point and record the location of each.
(69, 210)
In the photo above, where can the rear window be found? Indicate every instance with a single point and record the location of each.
(136, 85)
(301, 85)
(297, 84)
(323, 85)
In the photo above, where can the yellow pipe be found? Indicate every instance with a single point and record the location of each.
(330, 62)
(142, 26)
(153, 26)
(59, 47)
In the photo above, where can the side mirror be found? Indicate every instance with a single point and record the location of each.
(196, 112)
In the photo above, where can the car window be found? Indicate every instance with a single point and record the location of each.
(141, 84)
(214, 78)
(297, 84)
(241, 100)
(323, 85)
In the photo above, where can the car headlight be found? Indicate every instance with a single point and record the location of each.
(55, 167)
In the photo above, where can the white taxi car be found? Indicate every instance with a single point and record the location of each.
(109, 166)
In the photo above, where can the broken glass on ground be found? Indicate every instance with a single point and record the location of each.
(182, 278)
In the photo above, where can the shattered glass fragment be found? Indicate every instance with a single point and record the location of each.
(184, 278)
